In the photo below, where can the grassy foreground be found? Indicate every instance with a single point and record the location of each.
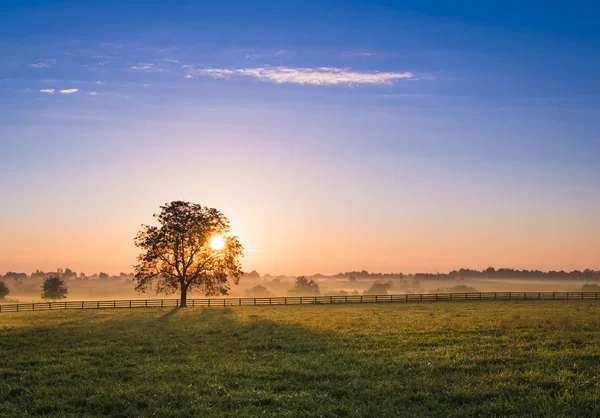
(531, 358)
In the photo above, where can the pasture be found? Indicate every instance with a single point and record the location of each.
(490, 358)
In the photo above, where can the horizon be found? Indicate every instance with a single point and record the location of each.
(335, 136)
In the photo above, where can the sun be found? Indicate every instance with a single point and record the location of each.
(217, 242)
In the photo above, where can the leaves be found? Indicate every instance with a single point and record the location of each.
(54, 288)
(176, 254)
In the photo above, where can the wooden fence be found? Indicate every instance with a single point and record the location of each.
(298, 300)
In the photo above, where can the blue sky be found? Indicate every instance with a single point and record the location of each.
(432, 117)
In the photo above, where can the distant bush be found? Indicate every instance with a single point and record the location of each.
(258, 291)
(305, 286)
(4, 291)
(378, 288)
(590, 288)
(461, 288)
(54, 288)
(342, 293)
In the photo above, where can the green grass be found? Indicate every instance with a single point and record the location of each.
(533, 358)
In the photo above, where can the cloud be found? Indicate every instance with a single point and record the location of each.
(146, 67)
(68, 91)
(321, 76)
(359, 54)
(47, 91)
(142, 67)
(43, 63)
(93, 93)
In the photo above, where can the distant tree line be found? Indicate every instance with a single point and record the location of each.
(506, 273)
(64, 274)
(490, 272)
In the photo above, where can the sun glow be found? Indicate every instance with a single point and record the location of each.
(217, 242)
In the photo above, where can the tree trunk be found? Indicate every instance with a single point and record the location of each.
(183, 303)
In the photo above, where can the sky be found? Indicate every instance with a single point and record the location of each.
(335, 135)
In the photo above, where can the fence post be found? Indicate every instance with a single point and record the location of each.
(421, 297)
(146, 303)
(376, 299)
(33, 307)
(254, 301)
(240, 301)
(509, 295)
(285, 300)
(114, 304)
(330, 299)
(209, 302)
(98, 305)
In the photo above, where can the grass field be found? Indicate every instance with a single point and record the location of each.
(531, 358)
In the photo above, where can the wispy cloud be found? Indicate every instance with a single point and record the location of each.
(45, 63)
(68, 91)
(149, 67)
(47, 91)
(320, 76)
(359, 54)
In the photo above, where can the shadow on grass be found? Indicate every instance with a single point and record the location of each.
(215, 363)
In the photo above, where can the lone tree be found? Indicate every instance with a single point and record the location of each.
(54, 288)
(4, 291)
(189, 250)
(305, 286)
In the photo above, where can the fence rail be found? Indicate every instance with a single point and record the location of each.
(297, 300)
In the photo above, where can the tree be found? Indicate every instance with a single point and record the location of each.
(189, 250)
(54, 288)
(305, 286)
(4, 291)
(378, 288)
(258, 291)
(252, 275)
(69, 274)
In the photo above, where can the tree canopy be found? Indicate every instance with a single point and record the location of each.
(4, 291)
(177, 255)
(54, 288)
(305, 286)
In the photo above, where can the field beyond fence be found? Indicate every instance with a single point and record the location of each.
(296, 300)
